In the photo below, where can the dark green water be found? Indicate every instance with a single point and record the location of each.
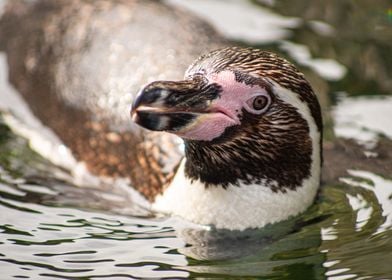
(51, 229)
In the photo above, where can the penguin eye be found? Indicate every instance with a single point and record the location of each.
(258, 104)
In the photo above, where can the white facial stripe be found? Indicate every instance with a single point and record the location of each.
(293, 99)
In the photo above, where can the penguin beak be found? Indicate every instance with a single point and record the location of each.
(175, 106)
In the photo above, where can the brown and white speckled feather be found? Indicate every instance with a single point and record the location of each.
(79, 63)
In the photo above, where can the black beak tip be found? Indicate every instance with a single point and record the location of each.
(134, 115)
(137, 101)
(147, 120)
(146, 97)
(166, 105)
(133, 111)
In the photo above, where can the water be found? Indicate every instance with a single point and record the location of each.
(51, 228)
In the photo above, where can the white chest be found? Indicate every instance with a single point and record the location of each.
(235, 208)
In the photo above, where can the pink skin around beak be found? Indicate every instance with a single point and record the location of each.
(225, 111)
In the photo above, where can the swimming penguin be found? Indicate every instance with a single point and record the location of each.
(250, 121)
